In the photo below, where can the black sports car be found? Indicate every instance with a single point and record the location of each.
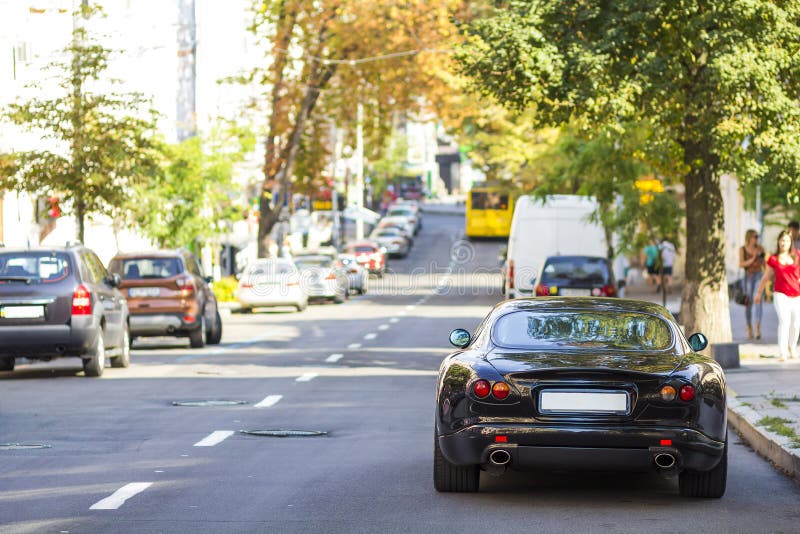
(580, 383)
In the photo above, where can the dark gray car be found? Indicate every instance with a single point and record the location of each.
(61, 302)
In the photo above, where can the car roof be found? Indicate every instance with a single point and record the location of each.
(583, 303)
(149, 254)
(576, 257)
(362, 244)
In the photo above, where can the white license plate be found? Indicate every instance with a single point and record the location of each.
(22, 312)
(144, 291)
(583, 402)
(566, 292)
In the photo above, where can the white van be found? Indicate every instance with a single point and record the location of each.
(558, 226)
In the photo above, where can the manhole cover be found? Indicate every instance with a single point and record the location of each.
(22, 446)
(285, 433)
(209, 403)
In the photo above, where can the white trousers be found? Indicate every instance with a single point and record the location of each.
(788, 309)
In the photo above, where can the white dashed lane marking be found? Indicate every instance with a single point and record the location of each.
(215, 437)
(371, 335)
(354, 346)
(333, 358)
(268, 401)
(383, 327)
(394, 320)
(118, 498)
(307, 377)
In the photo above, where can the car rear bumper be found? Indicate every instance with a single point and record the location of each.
(278, 296)
(581, 448)
(72, 339)
(160, 324)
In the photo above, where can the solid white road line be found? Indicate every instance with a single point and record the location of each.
(354, 346)
(383, 327)
(268, 401)
(215, 437)
(307, 377)
(333, 358)
(118, 498)
(371, 335)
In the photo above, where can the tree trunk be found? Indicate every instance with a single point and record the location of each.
(704, 301)
(80, 219)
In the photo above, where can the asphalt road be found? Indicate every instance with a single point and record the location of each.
(122, 458)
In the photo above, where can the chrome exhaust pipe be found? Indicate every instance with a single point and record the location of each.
(665, 460)
(500, 457)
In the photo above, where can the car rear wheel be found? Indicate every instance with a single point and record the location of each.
(197, 337)
(93, 366)
(215, 335)
(124, 358)
(706, 484)
(7, 364)
(453, 478)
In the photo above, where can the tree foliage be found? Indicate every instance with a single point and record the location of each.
(329, 55)
(717, 83)
(194, 196)
(100, 140)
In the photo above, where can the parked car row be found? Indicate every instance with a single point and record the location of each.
(63, 302)
(325, 273)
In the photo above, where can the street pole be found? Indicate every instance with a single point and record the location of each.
(360, 172)
(759, 214)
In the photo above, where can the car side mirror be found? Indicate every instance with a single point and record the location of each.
(114, 280)
(209, 279)
(460, 338)
(621, 284)
(502, 254)
(698, 342)
(383, 250)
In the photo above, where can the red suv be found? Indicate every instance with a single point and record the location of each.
(168, 295)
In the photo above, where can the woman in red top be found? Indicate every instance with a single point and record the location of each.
(784, 268)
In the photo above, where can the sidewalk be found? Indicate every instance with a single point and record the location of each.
(763, 394)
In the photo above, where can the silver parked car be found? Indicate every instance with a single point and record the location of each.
(357, 275)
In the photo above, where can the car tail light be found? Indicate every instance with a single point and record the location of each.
(501, 439)
(331, 276)
(185, 284)
(609, 291)
(665, 443)
(81, 301)
(397, 242)
(245, 285)
(668, 393)
(687, 393)
(542, 290)
(500, 390)
(511, 274)
(293, 282)
(189, 318)
(481, 388)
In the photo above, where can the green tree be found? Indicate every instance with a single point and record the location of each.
(717, 82)
(102, 140)
(195, 194)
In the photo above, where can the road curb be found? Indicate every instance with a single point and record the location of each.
(433, 210)
(771, 446)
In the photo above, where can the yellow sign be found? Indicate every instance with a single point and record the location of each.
(323, 205)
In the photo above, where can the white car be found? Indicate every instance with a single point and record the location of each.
(393, 240)
(408, 212)
(357, 274)
(271, 282)
(403, 223)
(322, 277)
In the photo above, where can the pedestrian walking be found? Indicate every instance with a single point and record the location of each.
(751, 259)
(651, 262)
(668, 254)
(784, 269)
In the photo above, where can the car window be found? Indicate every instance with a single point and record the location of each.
(310, 263)
(486, 200)
(89, 268)
(572, 269)
(146, 268)
(99, 268)
(361, 249)
(37, 267)
(589, 330)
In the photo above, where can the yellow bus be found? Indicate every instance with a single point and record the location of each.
(489, 211)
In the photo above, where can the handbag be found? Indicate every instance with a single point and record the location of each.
(737, 292)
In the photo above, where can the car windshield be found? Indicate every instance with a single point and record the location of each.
(575, 270)
(146, 268)
(34, 267)
(269, 269)
(579, 329)
(361, 250)
(388, 232)
(400, 212)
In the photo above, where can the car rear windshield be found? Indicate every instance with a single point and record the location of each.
(401, 212)
(310, 263)
(361, 249)
(389, 232)
(34, 267)
(575, 270)
(269, 269)
(589, 330)
(146, 268)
